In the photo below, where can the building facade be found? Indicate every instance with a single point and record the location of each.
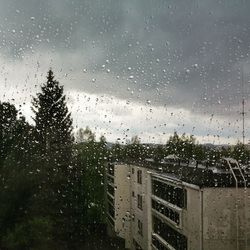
(153, 209)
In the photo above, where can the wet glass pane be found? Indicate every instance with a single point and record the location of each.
(124, 124)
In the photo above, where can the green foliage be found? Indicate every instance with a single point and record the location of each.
(41, 187)
(85, 135)
(185, 147)
(181, 146)
(54, 153)
(53, 123)
(8, 122)
(31, 234)
(116, 153)
(241, 153)
(134, 149)
(39, 199)
(91, 156)
(16, 181)
(159, 153)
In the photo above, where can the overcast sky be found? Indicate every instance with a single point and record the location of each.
(145, 68)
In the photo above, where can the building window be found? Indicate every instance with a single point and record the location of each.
(172, 194)
(110, 179)
(111, 169)
(169, 234)
(133, 194)
(110, 199)
(139, 201)
(111, 190)
(133, 171)
(133, 217)
(136, 245)
(157, 244)
(139, 176)
(111, 210)
(111, 220)
(140, 228)
(166, 211)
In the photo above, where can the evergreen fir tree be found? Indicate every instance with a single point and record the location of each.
(53, 133)
(53, 123)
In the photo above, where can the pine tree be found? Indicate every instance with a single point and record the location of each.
(53, 133)
(53, 123)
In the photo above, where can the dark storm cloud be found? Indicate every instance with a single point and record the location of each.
(179, 53)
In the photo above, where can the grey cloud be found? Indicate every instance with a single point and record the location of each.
(183, 54)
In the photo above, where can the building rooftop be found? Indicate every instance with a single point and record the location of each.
(225, 173)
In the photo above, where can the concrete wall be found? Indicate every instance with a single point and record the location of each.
(220, 218)
(149, 201)
(142, 215)
(122, 203)
(191, 218)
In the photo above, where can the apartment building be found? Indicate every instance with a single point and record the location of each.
(176, 206)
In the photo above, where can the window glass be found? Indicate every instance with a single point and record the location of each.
(139, 176)
(170, 235)
(139, 201)
(123, 118)
(140, 228)
(170, 193)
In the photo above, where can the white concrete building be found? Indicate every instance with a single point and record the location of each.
(161, 206)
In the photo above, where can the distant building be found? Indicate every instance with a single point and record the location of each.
(174, 206)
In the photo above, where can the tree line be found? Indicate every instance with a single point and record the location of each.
(52, 184)
(183, 146)
(51, 188)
